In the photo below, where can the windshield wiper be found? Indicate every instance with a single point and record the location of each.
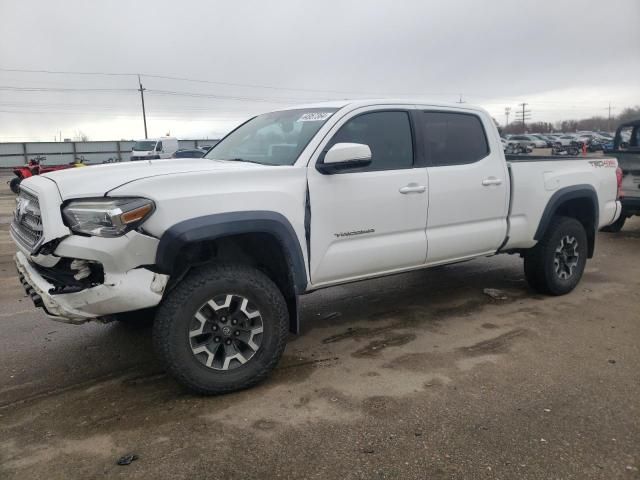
(240, 160)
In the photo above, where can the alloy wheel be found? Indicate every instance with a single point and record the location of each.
(566, 257)
(226, 332)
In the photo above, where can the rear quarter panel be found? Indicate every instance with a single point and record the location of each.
(534, 183)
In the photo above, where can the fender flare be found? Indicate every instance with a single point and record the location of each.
(563, 195)
(211, 227)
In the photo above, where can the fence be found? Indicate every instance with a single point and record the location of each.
(55, 153)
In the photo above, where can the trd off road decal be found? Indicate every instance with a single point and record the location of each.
(609, 163)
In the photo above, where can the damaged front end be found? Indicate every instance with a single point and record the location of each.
(72, 275)
(75, 291)
(91, 264)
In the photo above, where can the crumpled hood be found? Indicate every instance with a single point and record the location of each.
(97, 180)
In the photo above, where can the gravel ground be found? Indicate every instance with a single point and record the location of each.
(419, 375)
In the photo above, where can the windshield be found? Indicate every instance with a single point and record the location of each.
(144, 146)
(275, 138)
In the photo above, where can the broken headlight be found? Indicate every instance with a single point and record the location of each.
(107, 217)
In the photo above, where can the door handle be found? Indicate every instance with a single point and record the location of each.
(412, 188)
(491, 181)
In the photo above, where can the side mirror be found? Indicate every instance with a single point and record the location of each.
(344, 156)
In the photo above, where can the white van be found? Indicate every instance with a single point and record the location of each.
(154, 148)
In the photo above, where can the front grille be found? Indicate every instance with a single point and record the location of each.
(27, 222)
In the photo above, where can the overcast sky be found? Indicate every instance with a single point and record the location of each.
(566, 58)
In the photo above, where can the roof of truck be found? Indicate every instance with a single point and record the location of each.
(355, 103)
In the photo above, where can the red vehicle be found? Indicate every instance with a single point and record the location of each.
(34, 168)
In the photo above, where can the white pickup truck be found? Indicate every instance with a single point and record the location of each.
(219, 249)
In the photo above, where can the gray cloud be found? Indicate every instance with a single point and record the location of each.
(567, 59)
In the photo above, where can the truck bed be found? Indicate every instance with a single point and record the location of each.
(534, 180)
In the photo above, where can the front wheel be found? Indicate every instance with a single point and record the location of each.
(14, 185)
(556, 264)
(222, 329)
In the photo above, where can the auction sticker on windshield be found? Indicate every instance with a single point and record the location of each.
(314, 117)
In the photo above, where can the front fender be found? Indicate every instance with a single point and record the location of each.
(211, 227)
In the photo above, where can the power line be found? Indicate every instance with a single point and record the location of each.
(247, 85)
(58, 72)
(125, 114)
(231, 97)
(182, 79)
(230, 84)
(158, 92)
(273, 87)
(12, 88)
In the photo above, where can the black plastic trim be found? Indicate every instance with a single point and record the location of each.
(566, 194)
(210, 227)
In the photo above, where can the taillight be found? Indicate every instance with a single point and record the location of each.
(619, 176)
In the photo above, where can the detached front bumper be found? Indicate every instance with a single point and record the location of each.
(134, 290)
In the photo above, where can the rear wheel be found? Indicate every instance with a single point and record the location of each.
(556, 264)
(222, 329)
(14, 185)
(616, 226)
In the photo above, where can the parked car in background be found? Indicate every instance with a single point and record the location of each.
(566, 140)
(154, 148)
(190, 153)
(528, 140)
(626, 148)
(547, 142)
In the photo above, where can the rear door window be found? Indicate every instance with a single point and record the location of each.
(453, 138)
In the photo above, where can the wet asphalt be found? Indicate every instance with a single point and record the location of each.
(418, 375)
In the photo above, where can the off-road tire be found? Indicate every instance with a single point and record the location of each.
(616, 226)
(539, 267)
(176, 313)
(14, 185)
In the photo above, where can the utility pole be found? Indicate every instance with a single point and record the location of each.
(523, 116)
(144, 114)
(609, 119)
(507, 111)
